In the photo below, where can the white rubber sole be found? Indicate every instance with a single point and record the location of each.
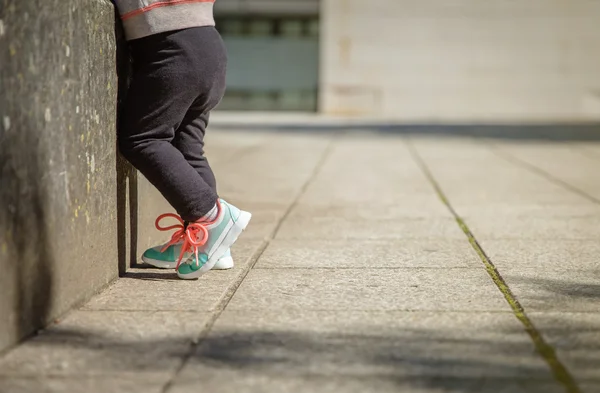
(232, 235)
(224, 263)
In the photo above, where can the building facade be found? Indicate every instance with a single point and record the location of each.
(426, 60)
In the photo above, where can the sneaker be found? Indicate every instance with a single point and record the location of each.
(168, 259)
(207, 242)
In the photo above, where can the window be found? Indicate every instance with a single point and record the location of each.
(273, 62)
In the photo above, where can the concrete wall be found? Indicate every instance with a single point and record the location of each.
(58, 178)
(461, 60)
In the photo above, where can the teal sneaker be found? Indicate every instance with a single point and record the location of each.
(210, 241)
(168, 259)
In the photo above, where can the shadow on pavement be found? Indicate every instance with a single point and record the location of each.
(570, 289)
(127, 184)
(428, 359)
(567, 290)
(152, 275)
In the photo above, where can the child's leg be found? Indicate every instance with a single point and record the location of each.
(189, 136)
(165, 85)
(180, 120)
(189, 140)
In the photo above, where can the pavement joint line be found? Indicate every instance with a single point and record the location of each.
(252, 260)
(540, 172)
(546, 239)
(560, 373)
(393, 310)
(370, 268)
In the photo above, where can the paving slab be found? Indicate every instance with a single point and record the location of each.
(486, 196)
(161, 290)
(589, 386)
(576, 337)
(455, 149)
(242, 252)
(87, 384)
(589, 149)
(479, 177)
(353, 384)
(494, 187)
(366, 351)
(368, 289)
(538, 228)
(583, 209)
(384, 174)
(332, 191)
(260, 177)
(225, 147)
(262, 224)
(341, 254)
(149, 289)
(554, 289)
(306, 228)
(385, 207)
(127, 344)
(565, 255)
(559, 161)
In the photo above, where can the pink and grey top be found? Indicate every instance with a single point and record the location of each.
(142, 18)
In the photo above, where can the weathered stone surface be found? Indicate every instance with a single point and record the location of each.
(535, 228)
(276, 383)
(274, 351)
(369, 254)
(576, 337)
(311, 228)
(58, 208)
(368, 289)
(543, 255)
(129, 384)
(152, 289)
(550, 159)
(372, 174)
(110, 343)
(506, 209)
(472, 174)
(397, 207)
(554, 289)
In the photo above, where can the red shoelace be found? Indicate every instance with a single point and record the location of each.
(193, 235)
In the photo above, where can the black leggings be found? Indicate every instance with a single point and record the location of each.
(178, 78)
